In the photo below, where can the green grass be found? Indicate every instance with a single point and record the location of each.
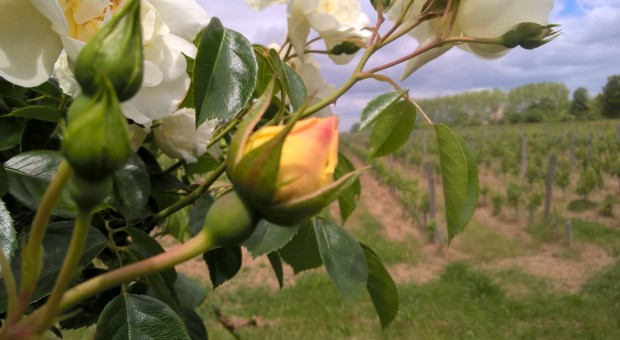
(369, 231)
(484, 244)
(581, 205)
(462, 303)
(582, 231)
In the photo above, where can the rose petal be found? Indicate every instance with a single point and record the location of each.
(159, 101)
(28, 45)
(184, 18)
(260, 5)
(490, 19)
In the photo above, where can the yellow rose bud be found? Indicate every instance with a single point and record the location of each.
(308, 158)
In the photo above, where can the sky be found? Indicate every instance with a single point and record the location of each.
(585, 54)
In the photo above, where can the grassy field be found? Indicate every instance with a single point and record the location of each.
(464, 301)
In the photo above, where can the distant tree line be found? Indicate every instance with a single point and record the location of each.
(530, 103)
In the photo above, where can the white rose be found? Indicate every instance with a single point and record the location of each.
(34, 33)
(177, 136)
(475, 18)
(336, 21)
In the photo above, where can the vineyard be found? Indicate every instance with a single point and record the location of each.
(513, 272)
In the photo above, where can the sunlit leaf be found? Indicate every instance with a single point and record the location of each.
(8, 237)
(225, 73)
(392, 129)
(459, 172)
(375, 107)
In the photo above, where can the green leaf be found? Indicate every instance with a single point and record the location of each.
(205, 163)
(291, 81)
(132, 187)
(392, 129)
(38, 112)
(459, 174)
(302, 252)
(195, 326)
(36, 135)
(224, 263)
(224, 74)
(276, 264)
(145, 246)
(198, 212)
(10, 133)
(377, 106)
(8, 237)
(29, 175)
(4, 181)
(55, 245)
(343, 258)
(268, 237)
(347, 199)
(50, 89)
(133, 317)
(381, 288)
(191, 292)
(265, 70)
(161, 284)
(188, 101)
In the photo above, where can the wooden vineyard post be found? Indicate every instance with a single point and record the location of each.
(431, 190)
(569, 236)
(571, 147)
(590, 149)
(424, 148)
(549, 185)
(392, 189)
(523, 154)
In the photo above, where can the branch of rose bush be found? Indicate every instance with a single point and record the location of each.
(353, 79)
(32, 251)
(195, 246)
(382, 78)
(46, 317)
(189, 199)
(447, 11)
(390, 36)
(420, 111)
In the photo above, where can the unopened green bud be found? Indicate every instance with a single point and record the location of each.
(88, 194)
(115, 52)
(529, 35)
(97, 140)
(345, 47)
(230, 220)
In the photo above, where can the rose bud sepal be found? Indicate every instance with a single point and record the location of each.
(116, 51)
(96, 141)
